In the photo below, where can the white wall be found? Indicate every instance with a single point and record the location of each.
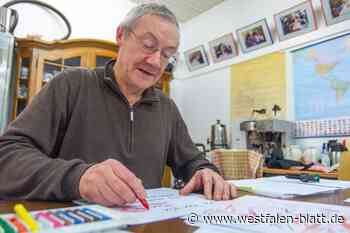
(225, 18)
(202, 105)
(89, 19)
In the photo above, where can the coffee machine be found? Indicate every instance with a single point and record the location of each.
(268, 136)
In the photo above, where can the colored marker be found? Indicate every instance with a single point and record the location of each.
(143, 202)
(83, 216)
(6, 226)
(64, 215)
(77, 219)
(54, 222)
(25, 216)
(64, 219)
(43, 222)
(21, 228)
(93, 217)
(101, 216)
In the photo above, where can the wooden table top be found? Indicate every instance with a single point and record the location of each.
(294, 171)
(174, 225)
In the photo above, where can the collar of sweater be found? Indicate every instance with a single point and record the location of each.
(150, 95)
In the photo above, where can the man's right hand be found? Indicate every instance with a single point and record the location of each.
(110, 183)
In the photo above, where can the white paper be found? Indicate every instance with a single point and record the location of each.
(281, 187)
(337, 184)
(255, 206)
(165, 203)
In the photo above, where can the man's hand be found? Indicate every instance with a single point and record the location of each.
(110, 183)
(212, 183)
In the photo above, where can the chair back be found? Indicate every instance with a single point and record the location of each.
(238, 164)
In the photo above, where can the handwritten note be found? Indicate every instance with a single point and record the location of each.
(165, 203)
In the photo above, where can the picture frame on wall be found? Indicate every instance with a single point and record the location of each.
(295, 21)
(254, 36)
(223, 48)
(335, 11)
(196, 58)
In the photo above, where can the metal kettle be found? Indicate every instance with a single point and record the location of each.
(8, 19)
(218, 137)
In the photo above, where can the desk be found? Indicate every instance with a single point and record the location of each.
(175, 225)
(291, 171)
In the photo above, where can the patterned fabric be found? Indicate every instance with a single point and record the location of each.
(238, 164)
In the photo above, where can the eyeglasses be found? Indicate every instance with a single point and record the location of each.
(150, 46)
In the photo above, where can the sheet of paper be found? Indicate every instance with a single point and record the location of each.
(337, 184)
(165, 203)
(302, 216)
(282, 187)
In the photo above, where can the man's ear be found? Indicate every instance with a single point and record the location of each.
(120, 35)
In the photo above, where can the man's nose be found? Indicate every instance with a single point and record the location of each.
(155, 59)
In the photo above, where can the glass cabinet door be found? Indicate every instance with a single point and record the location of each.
(102, 60)
(52, 67)
(22, 91)
(38, 62)
(101, 56)
(72, 62)
(50, 70)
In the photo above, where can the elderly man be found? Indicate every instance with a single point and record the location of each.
(105, 134)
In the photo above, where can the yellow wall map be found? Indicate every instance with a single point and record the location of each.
(258, 83)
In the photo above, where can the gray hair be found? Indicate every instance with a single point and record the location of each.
(148, 9)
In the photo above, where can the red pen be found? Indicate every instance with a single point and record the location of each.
(143, 202)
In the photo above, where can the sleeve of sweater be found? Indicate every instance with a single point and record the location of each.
(184, 158)
(29, 165)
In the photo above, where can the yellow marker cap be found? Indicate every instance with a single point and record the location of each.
(25, 216)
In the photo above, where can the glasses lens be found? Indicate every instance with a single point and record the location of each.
(150, 45)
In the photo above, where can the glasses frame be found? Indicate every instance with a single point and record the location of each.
(166, 59)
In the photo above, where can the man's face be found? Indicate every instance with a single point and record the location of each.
(143, 54)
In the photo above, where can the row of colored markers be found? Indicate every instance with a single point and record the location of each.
(23, 221)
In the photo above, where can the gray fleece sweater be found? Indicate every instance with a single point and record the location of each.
(81, 118)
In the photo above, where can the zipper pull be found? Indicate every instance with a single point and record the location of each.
(131, 114)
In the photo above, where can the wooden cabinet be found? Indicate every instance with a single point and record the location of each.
(37, 62)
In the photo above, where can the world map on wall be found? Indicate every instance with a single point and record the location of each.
(321, 75)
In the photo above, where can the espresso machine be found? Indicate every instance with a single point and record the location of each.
(268, 136)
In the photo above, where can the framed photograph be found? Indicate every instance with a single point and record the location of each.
(223, 48)
(254, 36)
(295, 21)
(335, 11)
(196, 58)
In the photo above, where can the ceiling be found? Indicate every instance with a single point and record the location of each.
(185, 9)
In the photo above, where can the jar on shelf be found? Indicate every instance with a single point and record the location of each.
(24, 72)
(22, 91)
(47, 77)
